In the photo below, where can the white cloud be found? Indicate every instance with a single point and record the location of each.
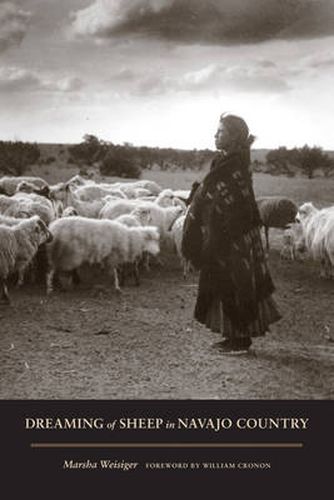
(216, 78)
(102, 16)
(14, 23)
(16, 79)
(252, 78)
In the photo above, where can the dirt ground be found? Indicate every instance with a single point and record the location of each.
(90, 343)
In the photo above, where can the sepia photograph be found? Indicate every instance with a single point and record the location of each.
(166, 200)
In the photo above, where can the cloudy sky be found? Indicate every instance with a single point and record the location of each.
(160, 72)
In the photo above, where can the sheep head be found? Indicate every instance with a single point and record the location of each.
(151, 240)
(305, 211)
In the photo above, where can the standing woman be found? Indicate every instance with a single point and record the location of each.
(222, 238)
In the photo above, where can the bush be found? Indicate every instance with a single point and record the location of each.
(88, 151)
(120, 162)
(16, 156)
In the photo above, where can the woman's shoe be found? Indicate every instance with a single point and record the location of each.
(223, 345)
(237, 346)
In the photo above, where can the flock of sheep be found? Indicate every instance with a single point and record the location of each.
(119, 225)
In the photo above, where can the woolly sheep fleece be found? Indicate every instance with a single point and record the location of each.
(79, 240)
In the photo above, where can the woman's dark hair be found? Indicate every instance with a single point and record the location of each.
(238, 128)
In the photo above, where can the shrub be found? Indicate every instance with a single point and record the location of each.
(120, 162)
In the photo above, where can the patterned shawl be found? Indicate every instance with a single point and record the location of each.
(222, 238)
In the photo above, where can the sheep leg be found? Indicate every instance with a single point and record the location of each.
(136, 272)
(117, 287)
(266, 232)
(75, 277)
(122, 271)
(327, 267)
(185, 268)
(146, 261)
(4, 293)
(293, 252)
(49, 281)
(20, 278)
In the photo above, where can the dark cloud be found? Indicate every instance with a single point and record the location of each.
(13, 24)
(209, 21)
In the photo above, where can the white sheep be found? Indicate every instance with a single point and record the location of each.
(12, 221)
(128, 220)
(19, 244)
(23, 205)
(6, 202)
(140, 192)
(165, 198)
(151, 186)
(176, 234)
(69, 212)
(161, 217)
(92, 192)
(84, 208)
(78, 180)
(318, 228)
(132, 220)
(79, 240)
(29, 187)
(182, 194)
(33, 204)
(59, 191)
(114, 208)
(8, 185)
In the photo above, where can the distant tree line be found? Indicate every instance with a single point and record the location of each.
(128, 161)
(306, 159)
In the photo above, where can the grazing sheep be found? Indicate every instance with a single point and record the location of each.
(78, 180)
(12, 221)
(132, 268)
(182, 194)
(140, 192)
(162, 218)
(151, 186)
(5, 203)
(79, 240)
(29, 187)
(33, 204)
(84, 208)
(276, 212)
(92, 192)
(165, 198)
(128, 220)
(69, 212)
(23, 204)
(9, 184)
(318, 228)
(59, 191)
(114, 208)
(19, 244)
(177, 233)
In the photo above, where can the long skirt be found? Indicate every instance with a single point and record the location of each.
(218, 321)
